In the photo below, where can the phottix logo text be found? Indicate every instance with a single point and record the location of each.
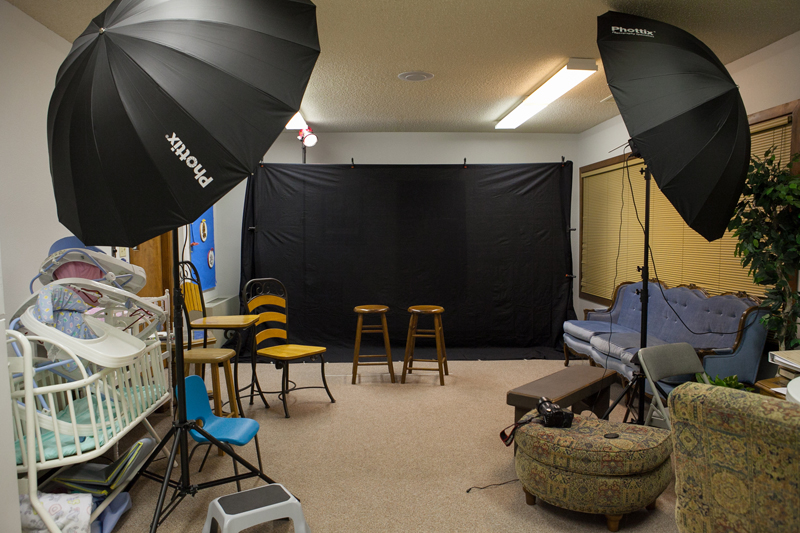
(639, 32)
(183, 153)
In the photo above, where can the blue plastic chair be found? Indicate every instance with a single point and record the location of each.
(231, 431)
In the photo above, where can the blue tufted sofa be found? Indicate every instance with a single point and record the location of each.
(611, 337)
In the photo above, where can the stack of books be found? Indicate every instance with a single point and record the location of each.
(788, 363)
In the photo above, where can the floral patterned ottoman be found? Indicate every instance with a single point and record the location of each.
(595, 466)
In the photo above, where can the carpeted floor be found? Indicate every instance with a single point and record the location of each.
(389, 457)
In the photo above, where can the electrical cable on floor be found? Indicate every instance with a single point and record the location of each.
(493, 485)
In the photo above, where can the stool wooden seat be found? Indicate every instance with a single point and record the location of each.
(361, 328)
(436, 333)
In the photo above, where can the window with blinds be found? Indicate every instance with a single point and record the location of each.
(612, 234)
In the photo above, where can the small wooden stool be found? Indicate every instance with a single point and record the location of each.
(214, 357)
(362, 310)
(436, 333)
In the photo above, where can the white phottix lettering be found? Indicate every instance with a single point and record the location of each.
(183, 153)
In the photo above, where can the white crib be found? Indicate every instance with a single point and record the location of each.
(79, 401)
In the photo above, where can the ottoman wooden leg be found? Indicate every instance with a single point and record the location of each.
(530, 499)
(612, 521)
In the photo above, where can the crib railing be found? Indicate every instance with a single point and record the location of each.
(79, 409)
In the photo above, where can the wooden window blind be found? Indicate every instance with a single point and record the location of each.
(612, 238)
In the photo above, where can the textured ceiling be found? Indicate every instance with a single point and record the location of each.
(486, 55)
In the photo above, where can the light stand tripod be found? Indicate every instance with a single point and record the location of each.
(638, 380)
(181, 427)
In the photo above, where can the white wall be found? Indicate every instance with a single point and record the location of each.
(766, 78)
(770, 76)
(29, 58)
(30, 55)
(9, 497)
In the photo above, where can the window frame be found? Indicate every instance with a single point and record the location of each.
(788, 109)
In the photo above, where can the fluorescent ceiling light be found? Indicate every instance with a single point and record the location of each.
(562, 81)
(297, 122)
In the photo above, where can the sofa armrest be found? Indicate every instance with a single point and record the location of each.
(702, 353)
(744, 359)
(587, 313)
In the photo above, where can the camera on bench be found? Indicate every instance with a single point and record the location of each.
(553, 416)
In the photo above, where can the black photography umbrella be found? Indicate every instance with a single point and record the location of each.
(684, 114)
(686, 119)
(161, 107)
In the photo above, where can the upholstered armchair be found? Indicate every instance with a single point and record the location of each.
(737, 460)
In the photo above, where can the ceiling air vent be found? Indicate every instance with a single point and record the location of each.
(415, 75)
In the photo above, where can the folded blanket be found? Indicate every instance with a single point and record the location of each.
(71, 512)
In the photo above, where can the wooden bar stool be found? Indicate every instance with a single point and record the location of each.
(381, 310)
(214, 357)
(436, 333)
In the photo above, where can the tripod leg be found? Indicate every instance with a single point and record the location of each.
(165, 485)
(640, 421)
(619, 398)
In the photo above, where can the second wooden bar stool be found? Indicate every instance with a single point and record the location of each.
(381, 310)
(436, 333)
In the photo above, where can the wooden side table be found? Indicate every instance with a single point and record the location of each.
(765, 386)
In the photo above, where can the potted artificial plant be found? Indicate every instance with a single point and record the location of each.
(767, 224)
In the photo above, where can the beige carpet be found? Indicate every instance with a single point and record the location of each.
(388, 457)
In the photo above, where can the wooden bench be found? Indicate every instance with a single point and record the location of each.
(579, 387)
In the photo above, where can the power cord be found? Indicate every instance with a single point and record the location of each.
(492, 485)
(616, 270)
(661, 288)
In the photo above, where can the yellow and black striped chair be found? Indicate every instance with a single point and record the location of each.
(267, 297)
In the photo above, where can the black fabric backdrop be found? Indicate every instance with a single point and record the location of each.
(489, 243)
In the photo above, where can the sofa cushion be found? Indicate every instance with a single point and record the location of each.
(622, 345)
(584, 449)
(586, 329)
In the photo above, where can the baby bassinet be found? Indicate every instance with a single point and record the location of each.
(80, 400)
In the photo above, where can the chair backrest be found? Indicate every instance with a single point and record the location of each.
(670, 360)
(267, 297)
(197, 407)
(194, 305)
(667, 360)
(191, 289)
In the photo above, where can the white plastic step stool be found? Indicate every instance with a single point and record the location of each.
(235, 512)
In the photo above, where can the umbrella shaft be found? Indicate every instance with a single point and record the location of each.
(646, 265)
